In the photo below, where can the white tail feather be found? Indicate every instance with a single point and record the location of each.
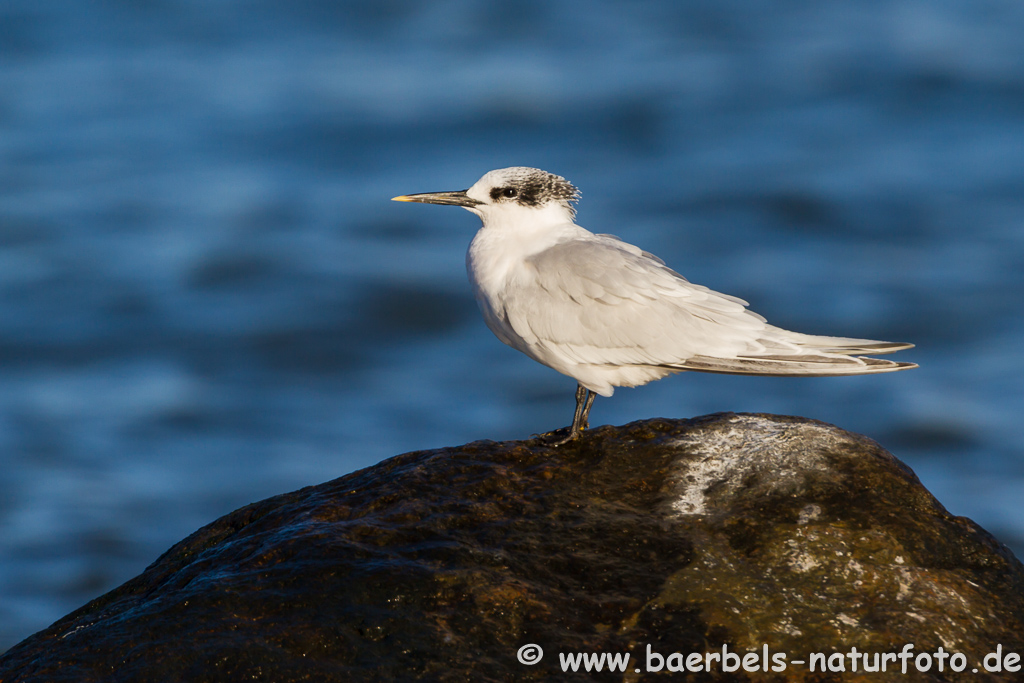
(806, 355)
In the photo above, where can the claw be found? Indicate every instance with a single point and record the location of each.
(555, 437)
(580, 420)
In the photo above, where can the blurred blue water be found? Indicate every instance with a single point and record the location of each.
(206, 297)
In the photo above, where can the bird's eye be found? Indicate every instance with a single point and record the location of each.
(509, 193)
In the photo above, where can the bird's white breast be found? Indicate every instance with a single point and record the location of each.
(497, 256)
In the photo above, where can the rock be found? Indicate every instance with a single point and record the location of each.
(748, 532)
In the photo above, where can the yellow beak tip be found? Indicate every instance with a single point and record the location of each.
(401, 198)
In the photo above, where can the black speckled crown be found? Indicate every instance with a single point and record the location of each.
(534, 187)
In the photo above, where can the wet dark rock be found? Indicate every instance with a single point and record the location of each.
(681, 536)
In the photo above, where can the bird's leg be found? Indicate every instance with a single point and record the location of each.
(579, 418)
(584, 399)
(585, 418)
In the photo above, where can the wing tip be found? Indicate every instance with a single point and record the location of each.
(886, 347)
(796, 366)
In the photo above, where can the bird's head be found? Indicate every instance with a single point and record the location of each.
(510, 195)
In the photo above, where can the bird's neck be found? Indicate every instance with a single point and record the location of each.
(506, 241)
(518, 219)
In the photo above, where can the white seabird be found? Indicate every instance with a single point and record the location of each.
(609, 314)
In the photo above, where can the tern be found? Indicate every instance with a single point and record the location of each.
(609, 314)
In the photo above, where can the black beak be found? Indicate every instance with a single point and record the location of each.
(452, 198)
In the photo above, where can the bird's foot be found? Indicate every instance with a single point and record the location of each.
(580, 420)
(558, 437)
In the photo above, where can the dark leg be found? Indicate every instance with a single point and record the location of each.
(585, 420)
(580, 419)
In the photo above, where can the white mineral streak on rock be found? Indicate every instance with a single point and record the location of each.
(727, 460)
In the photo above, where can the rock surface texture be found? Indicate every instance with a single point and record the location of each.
(660, 537)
